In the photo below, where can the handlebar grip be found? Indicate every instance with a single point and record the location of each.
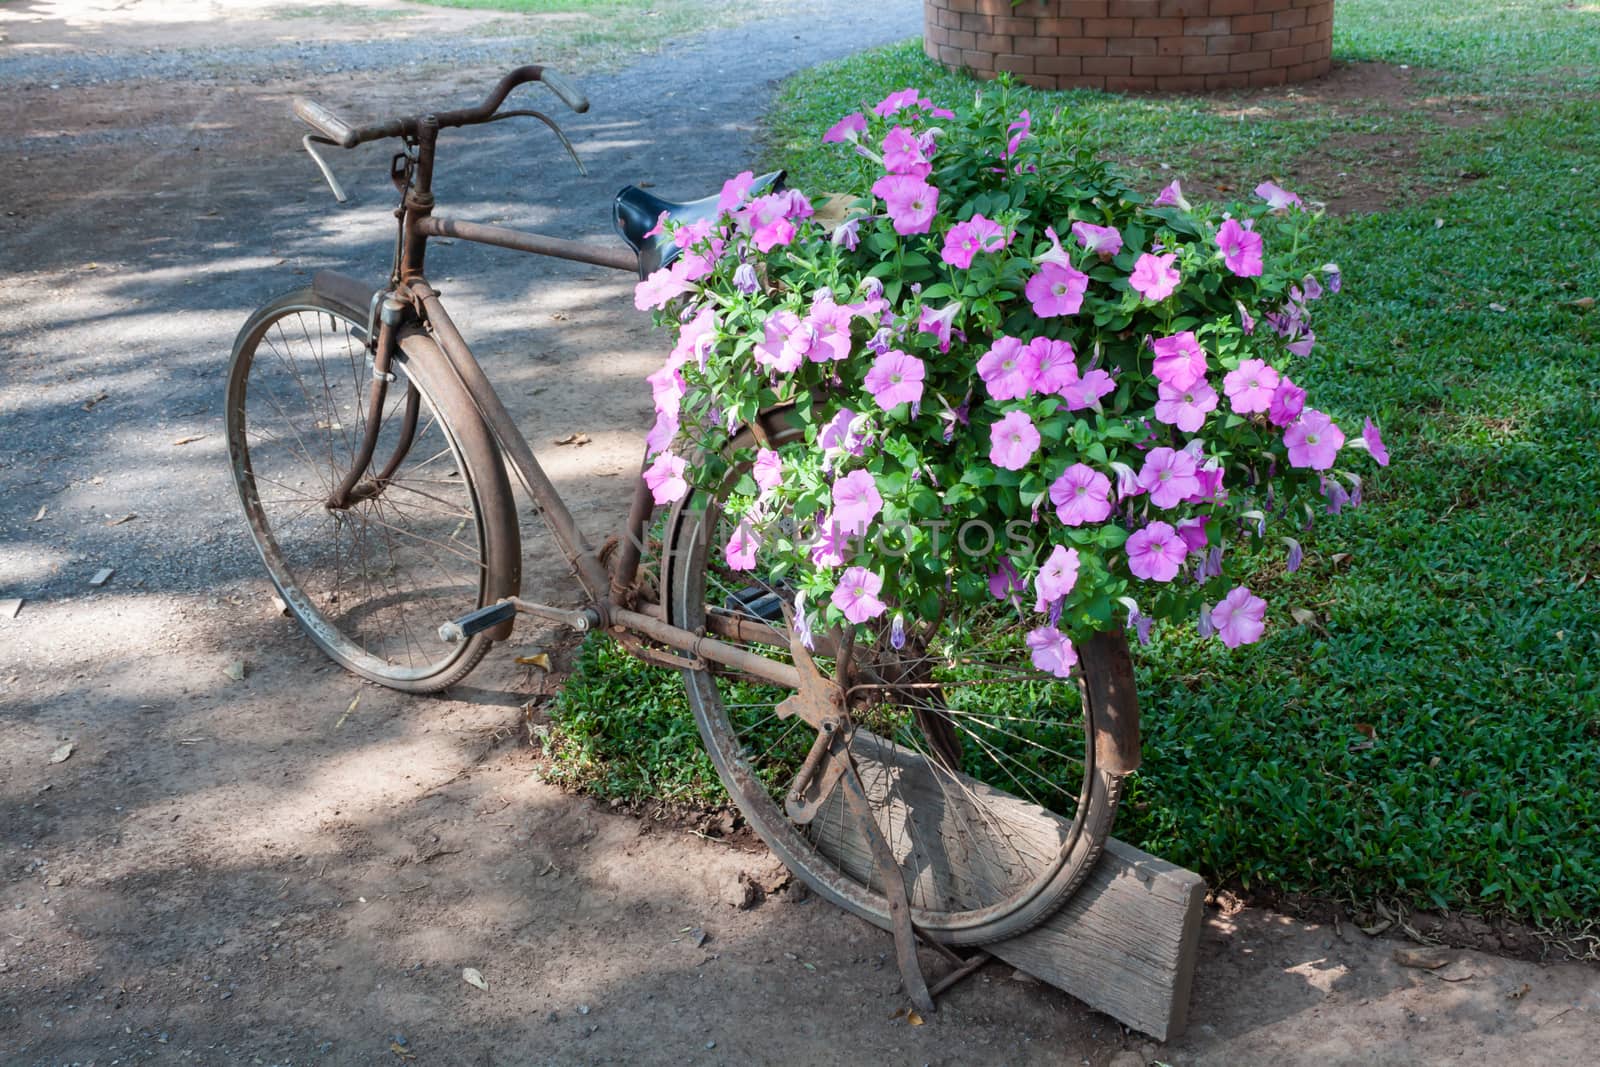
(568, 92)
(325, 122)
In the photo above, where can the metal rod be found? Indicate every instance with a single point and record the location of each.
(627, 565)
(784, 674)
(538, 244)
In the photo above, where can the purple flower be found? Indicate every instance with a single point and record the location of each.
(832, 545)
(857, 595)
(1140, 624)
(1193, 532)
(938, 322)
(1006, 369)
(1302, 347)
(1241, 249)
(1055, 254)
(771, 218)
(665, 479)
(1210, 478)
(1277, 198)
(965, 240)
(1019, 131)
(1313, 440)
(829, 326)
(855, 501)
(662, 433)
(1311, 288)
(740, 551)
(1056, 578)
(897, 632)
(734, 191)
(1156, 552)
(1128, 485)
(1185, 408)
(1013, 441)
(838, 435)
(695, 339)
(1296, 555)
(897, 100)
(1051, 651)
(1081, 495)
(1171, 196)
(1250, 386)
(1180, 361)
(775, 349)
(1240, 618)
(1246, 323)
(1088, 389)
(1335, 495)
(1154, 277)
(912, 202)
(1287, 402)
(1168, 476)
(656, 290)
(1206, 627)
(1335, 279)
(1374, 442)
(847, 235)
(745, 279)
(1052, 364)
(1056, 290)
(802, 622)
(902, 154)
(767, 470)
(1005, 582)
(895, 378)
(1103, 241)
(846, 129)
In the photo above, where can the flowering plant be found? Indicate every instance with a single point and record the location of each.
(1020, 384)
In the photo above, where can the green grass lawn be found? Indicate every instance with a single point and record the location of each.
(1432, 736)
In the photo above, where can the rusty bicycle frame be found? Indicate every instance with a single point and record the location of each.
(408, 312)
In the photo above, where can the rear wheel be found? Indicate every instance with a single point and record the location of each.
(370, 582)
(958, 741)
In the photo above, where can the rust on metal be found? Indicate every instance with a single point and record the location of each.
(534, 243)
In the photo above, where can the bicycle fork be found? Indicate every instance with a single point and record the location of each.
(352, 489)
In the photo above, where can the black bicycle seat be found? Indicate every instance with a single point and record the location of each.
(634, 213)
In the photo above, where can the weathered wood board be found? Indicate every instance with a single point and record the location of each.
(1124, 943)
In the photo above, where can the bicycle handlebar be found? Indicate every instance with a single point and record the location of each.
(341, 133)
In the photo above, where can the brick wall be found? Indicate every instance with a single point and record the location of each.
(1134, 45)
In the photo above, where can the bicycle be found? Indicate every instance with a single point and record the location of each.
(371, 455)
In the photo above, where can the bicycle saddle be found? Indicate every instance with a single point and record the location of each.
(634, 213)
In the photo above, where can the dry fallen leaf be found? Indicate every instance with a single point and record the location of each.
(471, 976)
(88, 405)
(1585, 302)
(1366, 729)
(354, 701)
(129, 517)
(235, 670)
(1427, 958)
(579, 438)
(190, 439)
(60, 755)
(538, 659)
(913, 1018)
(44, 509)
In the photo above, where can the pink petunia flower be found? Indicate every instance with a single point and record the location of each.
(740, 551)
(1210, 478)
(1013, 441)
(1171, 196)
(1055, 253)
(831, 547)
(1250, 386)
(667, 389)
(830, 330)
(837, 434)
(662, 433)
(665, 478)
(1374, 442)
(1288, 400)
(1154, 277)
(1103, 241)
(1052, 364)
(1088, 389)
(1193, 532)
(1006, 369)
(1056, 290)
(1240, 618)
(912, 202)
(1081, 495)
(856, 501)
(895, 378)
(1051, 651)
(902, 154)
(1241, 249)
(775, 349)
(895, 101)
(1313, 440)
(735, 190)
(656, 290)
(1168, 476)
(1005, 582)
(767, 470)
(938, 322)
(1180, 361)
(771, 218)
(1247, 322)
(1277, 197)
(966, 239)
(695, 338)
(846, 129)
(857, 595)
(1056, 578)
(1156, 552)
(1019, 131)
(1185, 408)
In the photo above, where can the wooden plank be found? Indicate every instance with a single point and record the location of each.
(1124, 943)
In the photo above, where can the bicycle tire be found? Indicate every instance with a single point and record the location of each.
(428, 571)
(1046, 888)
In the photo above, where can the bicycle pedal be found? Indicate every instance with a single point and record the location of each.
(474, 622)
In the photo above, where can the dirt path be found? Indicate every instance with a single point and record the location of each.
(270, 870)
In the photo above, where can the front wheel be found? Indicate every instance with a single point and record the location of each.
(370, 582)
(958, 740)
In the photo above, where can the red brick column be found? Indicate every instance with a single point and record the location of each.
(1134, 45)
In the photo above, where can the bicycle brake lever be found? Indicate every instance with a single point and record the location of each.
(550, 122)
(322, 165)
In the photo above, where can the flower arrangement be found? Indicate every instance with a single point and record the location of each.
(1022, 385)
